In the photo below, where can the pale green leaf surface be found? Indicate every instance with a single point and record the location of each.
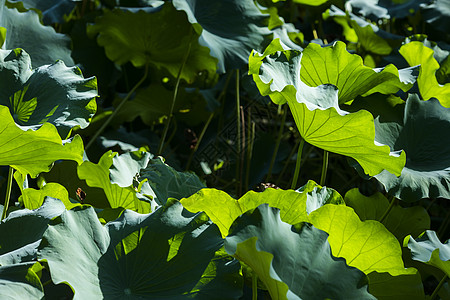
(51, 93)
(33, 199)
(316, 110)
(416, 53)
(163, 44)
(292, 265)
(367, 245)
(2, 35)
(429, 249)
(400, 221)
(19, 281)
(294, 206)
(24, 30)
(97, 175)
(158, 256)
(32, 152)
(53, 11)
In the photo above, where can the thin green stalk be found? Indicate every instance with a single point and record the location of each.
(323, 176)
(250, 153)
(241, 170)
(277, 143)
(436, 290)
(238, 140)
(286, 164)
(114, 113)
(174, 131)
(175, 93)
(388, 210)
(254, 286)
(222, 105)
(199, 141)
(297, 165)
(443, 228)
(8, 192)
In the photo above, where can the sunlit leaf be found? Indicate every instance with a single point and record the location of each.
(20, 281)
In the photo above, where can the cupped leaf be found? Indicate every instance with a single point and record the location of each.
(429, 249)
(44, 45)
(292, 265)
(160, 255)
(400, 221)
(294, 206)
(51, 93)
(22, 230)
(367, 245)
(20, 281)
(416, 53)
(97, 175)
(33, 199)
(32, 152)
(164, 43)
(231, 29)
(167, 182)
(422, 135)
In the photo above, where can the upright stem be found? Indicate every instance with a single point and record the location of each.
(254, 286)
(388, 210)
(114, 113)
(8, 192)
(297, 165)
(198, 141)
(250, 153)
(323, 176)
(436, 290)
(241, 171)
(175, 93)
(286, 164)
(238, 143)
(277, 143)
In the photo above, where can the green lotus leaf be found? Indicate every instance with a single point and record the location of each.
(51, 93)
(437, 14)
(294, 206)
(44, 45)
(427, 170)
(32, 152)
(375, 9)
(167, 182)
(97, 175)
(402, 287)
(416, 53)
(400, 221)
(231, 29)
(164, 44)
(2, 35)
(292, 265)
(160, 255)
(20, 281)
(311, 2)
(428, 249)
(367, 245)
(53, 11)
(22, 230)
(316, 111)
(33, 199)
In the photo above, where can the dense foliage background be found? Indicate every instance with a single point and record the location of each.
(224, 149)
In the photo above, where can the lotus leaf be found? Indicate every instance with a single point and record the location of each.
(20, 281)
(402, 287)
(231, 29)
(51, 93)
(164, 44)
(292, 265)
(22, 230)
(416, 53)
(386, 9)
(32, 152)
(44, 45)
(367, 245)
(97, 175)
(316, 112)
(33, 199)
(167, 182)
(294, 206)
(52, 11)
(427, 169)
(437, 14)
(428, 249)
(400, 221)
(160, 255)
(2, 35)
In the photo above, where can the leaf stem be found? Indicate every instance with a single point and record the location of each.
(199, 141)
(238, 139)
(323, 176)
(297, 165)
(436, 290)
(175, 93)
(277, 143)
(254, 286)
(388, 210)
(250, 153)
(8, 192)
(114, 113)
